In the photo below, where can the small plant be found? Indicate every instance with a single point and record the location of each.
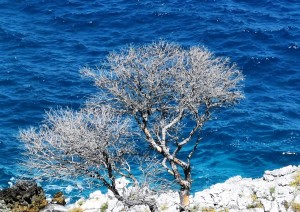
(194, 208)
(75, 210)
(164, 206)
(286, 204)
(272, 190)
(208, 209)
(104, 207)
(255, 202)
(251, 206)
(296, 181)
(80, 203)
(224, 210)
(295, 206)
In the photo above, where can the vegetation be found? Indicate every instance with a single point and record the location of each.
(296, 181)
(208, 209)
(160, 95)
(164, 207)
(295, 206)
(104, 207)
(286, 204)
(272, 190)
(80, 203)
(163, 87)
(255, 202)
(75, 210)
(194, 208)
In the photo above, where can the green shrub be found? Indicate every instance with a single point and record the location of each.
(104, 207)
(272, 190)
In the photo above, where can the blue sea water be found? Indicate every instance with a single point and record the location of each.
(44, 43)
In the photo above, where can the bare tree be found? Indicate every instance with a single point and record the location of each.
(170, 92)
(90, 143)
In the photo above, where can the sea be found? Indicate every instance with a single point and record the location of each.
(44, 43)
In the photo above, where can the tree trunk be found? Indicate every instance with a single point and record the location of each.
(184, 199)
(185, 190)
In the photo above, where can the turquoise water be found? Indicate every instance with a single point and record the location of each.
(44, 43)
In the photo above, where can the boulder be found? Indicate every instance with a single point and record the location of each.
(24, 196)
(3, 207)
(59, 199)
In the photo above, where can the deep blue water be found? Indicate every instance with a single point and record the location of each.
(44, 43)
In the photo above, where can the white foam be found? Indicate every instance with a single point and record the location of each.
(69, 189)
(289, 153)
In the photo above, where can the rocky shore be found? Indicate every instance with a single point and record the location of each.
(277, 190)
(24, 196)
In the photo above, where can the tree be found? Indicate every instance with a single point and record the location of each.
(159, 95)
(171, 93)
(93, 143)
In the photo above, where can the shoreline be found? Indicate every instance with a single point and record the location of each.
(276, 190)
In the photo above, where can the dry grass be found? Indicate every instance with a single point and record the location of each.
(296, 181)
(75, 210)
(295, 206)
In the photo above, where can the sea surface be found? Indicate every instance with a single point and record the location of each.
(44, 43)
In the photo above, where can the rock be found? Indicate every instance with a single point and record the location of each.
(95, 202)
(96, 194)
(297, 199)
(168, 201)
(244, 202)
(271, 175)
(274, 207)
(266, 204)
(122, 183)
(284, 194)
(3, 207)
(79, 202)
(272, 193)
(202, 198)
(235, 179)
(24, 196)
(54, 208)
(59, 199)
(92, 205)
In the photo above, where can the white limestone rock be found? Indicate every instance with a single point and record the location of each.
(271, 175)
(244, 202)
(271, 193)
(54, 208)
(274, 207)
(203, 198)
(168, 201)
(266, 204)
